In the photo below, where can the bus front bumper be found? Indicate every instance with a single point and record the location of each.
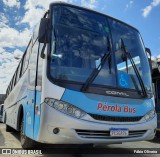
(73, 130)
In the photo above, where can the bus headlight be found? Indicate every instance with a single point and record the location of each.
(77, 113)
(65, 107)
(149, 115)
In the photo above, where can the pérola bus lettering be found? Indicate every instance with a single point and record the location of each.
(116, 108)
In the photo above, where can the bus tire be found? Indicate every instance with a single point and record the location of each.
(8, 128)
(26, 142)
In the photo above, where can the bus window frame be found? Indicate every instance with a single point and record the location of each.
(18, 72)
(23, 69)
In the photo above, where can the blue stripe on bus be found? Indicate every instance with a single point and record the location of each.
(89, 103)
(29, 113)
(37, 115)
(31, 123)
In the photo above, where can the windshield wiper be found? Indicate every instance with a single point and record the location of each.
(135, 68)
(96, 71)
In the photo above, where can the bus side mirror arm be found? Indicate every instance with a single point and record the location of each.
(42, 51)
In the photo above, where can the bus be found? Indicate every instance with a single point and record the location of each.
(156, 84)
(84, 78)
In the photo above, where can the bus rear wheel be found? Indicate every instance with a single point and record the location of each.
(26, 142)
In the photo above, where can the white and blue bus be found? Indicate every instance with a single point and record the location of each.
(83, 79)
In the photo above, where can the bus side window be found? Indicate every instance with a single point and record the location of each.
(12, 83)
(26, 57)
(33, 63)
(25, 63)
(18, 72)
(14, 80)
(8, 89)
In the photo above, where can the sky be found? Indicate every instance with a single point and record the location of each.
(19, 17)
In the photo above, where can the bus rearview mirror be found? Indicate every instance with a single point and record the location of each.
(43, 30)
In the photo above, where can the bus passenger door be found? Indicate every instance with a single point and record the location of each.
(30, 101)
(30, 107)
(38, 87)
(38, 95)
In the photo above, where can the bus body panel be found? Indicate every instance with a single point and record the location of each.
(17, 97)
(22, 97)
(107, 105)
(29, 113)
(37, 115)
(68, 126)
(12, 114)
(23, 94)
(51, 118)
(49, 89)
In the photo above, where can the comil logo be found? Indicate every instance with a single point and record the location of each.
(117, 93)
(6, 151)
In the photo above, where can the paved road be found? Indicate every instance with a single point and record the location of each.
(11, 140)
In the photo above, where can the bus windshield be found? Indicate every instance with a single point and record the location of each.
(133, 45)
(80, 39)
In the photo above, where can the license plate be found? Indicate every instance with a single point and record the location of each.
(119, 132)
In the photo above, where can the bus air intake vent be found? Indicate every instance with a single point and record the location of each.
(115, 119)
(106, 134)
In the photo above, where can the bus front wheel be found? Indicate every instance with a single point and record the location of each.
(26, 142)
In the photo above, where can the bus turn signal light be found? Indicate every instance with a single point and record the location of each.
(36, 107)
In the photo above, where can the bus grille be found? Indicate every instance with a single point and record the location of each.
(106, 134)
(115, 119)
